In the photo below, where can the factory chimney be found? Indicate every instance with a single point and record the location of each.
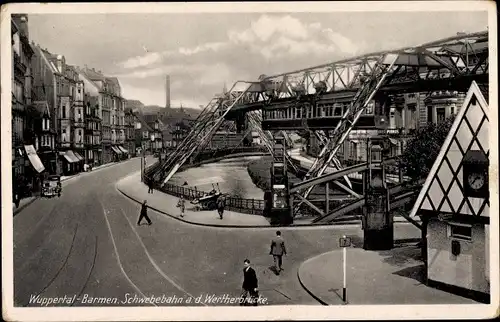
(167, 91)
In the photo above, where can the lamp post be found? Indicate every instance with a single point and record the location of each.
(143, 165)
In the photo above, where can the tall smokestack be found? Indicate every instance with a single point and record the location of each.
(167, 91)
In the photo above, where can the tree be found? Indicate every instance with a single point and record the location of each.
(423, 149)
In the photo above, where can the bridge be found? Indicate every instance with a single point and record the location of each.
(330, 101)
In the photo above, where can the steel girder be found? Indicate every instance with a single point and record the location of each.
(443, 59)
(364, 95)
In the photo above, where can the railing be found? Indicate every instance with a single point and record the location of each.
(248, 206)
(217, 153)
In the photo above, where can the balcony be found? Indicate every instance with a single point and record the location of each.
(65, 144)
(78, 143)
(79, 122)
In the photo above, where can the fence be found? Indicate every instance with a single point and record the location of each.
(248, 206)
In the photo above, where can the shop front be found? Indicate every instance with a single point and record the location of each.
(70, 166)
(124, 151)
(31, 183)
(117, 154)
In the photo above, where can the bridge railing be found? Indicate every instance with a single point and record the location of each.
(248, 206)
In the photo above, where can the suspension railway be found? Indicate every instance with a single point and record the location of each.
(330, 101)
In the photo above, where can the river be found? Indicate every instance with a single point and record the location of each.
(231, 175)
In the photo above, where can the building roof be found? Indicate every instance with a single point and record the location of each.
(42, 107)
(92, 74)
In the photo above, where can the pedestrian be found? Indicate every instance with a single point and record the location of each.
(221, 203)
(250, 285)
(150, 185)
(144, 214)
(278, 249)
(181, 204)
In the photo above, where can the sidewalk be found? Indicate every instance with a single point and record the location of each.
(373, 277)
(132, 187)
(29, 200)
(102, 166)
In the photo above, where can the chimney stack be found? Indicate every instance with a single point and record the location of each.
(167, 91)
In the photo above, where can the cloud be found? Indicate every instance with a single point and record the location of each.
(140, 61)
(158, 57)
(277, 36)
(269, 44)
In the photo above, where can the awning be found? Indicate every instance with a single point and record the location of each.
(122, 149)
(117, 151)
(34, 158)
(78, 156)
(71, 157)
(395, 142)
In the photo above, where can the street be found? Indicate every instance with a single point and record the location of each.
(87, 245)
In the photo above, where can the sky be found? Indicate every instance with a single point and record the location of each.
(203, 51)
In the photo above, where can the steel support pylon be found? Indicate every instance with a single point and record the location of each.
(363, 96)
(205, 127)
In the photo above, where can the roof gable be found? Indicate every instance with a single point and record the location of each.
(42, 107)
(443, 188)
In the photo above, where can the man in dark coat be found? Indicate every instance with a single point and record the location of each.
(278, 250)
(250, 285)
(144, 214)
(150, 185)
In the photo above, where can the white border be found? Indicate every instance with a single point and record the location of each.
(379, 312)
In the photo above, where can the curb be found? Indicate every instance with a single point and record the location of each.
(190, 222)
(317, 298)
(236, 226)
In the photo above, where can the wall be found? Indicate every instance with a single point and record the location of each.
(468, 269)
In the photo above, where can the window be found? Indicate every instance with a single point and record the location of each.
(370, 107)
(79, 91)
(460, 231)
(353, 150)
(429, 114)
(45, 124)
(440, 114)
(64, 112)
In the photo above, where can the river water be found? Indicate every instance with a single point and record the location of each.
(230, 174)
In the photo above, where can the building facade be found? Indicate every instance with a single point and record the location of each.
(401, 115)
(98, 86)
(117, 119)
(129, 119)
(180, 132)
(92, 131)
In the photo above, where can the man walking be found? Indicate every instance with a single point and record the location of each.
(221, 203)
(278, 250)
(250, 285)
(144, 214)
